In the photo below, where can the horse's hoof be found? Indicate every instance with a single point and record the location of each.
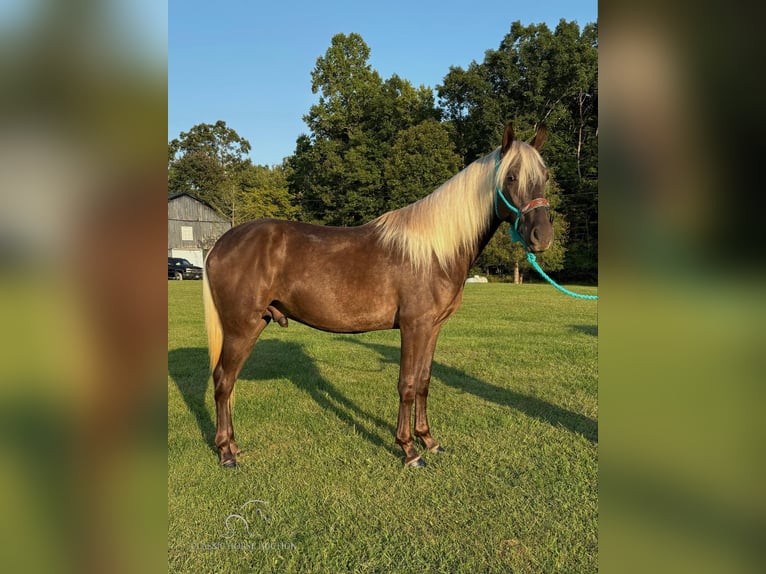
(437, 449)
(229, 464)
(416, 463)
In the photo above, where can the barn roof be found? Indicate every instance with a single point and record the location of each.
(172, 196)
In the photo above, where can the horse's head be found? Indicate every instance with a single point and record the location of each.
(521, 181)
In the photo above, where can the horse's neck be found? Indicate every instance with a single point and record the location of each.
(463, 264)
(486, 236)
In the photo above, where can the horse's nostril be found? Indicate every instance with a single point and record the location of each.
(534, 236)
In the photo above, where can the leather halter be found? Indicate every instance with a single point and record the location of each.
(534, 204)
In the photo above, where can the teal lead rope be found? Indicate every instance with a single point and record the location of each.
(533, 261)
(516, 237)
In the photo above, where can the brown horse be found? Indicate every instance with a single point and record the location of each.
(404, 270)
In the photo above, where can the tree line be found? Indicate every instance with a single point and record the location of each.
(377, 144)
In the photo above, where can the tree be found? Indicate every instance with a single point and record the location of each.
(346, 84)
(349, 169)
(209, 161)
(334, 172)
(422, 158)
(265, 194)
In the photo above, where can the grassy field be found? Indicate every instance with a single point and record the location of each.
(321, 486)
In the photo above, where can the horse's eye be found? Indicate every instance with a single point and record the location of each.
(511, 177)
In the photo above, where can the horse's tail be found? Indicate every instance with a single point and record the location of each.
(212, 322)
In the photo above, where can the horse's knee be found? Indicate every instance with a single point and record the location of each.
(407, 389)
(222, 392)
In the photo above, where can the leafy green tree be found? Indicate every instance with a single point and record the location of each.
(398, 106)
(195, 171)
(334, 173)
(264, 194)
(349, 169)
(347, 86)
(473, 111)
(421, 159)
(209, 161)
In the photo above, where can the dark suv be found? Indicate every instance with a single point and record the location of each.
(179, 268)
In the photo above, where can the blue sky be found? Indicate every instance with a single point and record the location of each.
(249, 63)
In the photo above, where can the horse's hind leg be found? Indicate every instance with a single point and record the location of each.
(235, 351)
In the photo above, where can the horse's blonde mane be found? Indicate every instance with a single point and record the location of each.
(450, 221)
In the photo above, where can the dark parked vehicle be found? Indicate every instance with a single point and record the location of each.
(179, 268)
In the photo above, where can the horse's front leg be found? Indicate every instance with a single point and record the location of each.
(422, 429)
(415, 369)
(403, 433)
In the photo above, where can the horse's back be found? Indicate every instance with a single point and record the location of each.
(300, 243)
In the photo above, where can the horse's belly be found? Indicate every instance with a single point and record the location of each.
(338, 312)
(336, 280)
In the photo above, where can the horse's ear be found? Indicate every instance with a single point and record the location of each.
(508, 136)
(542, 133)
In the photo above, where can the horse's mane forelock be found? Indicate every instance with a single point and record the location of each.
(450, 221)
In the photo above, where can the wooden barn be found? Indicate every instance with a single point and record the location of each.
(193, 227)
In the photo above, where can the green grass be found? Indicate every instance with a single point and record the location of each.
(513, 400)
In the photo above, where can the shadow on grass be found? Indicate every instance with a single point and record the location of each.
(585, 329)
(276, 359)
(188, 368)
(272, 359)
(530, 406)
